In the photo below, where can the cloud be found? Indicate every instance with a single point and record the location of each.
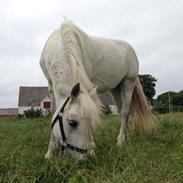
(153, 28)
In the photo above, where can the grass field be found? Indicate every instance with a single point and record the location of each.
(153, 159)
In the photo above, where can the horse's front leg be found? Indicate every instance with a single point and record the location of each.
(92, 145)
(51, 147)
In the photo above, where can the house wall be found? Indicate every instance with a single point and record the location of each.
(7, 116)
(8, 113)
(45, 100)
(46, 112)
(24, 108)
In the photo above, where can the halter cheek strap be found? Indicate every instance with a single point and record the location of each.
(65, 144)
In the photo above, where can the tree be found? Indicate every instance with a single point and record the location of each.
(178, 98)
(169, 101)
(163, 102)
(164, 97)
(148, 84)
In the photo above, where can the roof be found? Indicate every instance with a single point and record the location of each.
(46, 99)
(8, 111)
(32, 96)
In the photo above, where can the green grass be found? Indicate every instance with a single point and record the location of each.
(153, 158)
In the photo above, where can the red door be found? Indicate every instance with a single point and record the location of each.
(47, 105)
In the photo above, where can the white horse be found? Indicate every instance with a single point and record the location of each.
(99, 65)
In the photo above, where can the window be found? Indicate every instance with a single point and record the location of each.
(47, 105)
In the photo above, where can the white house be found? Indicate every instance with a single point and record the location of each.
(36, 97)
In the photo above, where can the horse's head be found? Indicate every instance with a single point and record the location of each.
(79, 114)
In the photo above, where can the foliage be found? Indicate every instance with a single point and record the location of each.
(33, 113)
(107, 110)
(178, 98)
(165, 102)
(161, 104)
(19, 115)
(148, 84)
(153, 158)
(169, 101)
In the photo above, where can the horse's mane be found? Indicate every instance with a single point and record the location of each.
(72, 39)
(89, 109)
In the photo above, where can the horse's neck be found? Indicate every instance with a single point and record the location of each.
(83, 69)
(78, 46)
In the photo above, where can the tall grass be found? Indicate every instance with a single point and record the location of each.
(153, 158)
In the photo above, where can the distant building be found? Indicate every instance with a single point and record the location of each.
(8, 112)
(36, 97)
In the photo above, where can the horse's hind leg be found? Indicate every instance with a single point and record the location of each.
(127, 87)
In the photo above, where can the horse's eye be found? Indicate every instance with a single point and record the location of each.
(73, 123)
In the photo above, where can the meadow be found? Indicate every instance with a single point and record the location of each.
(155, 158)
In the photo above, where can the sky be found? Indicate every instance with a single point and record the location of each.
(153, 27)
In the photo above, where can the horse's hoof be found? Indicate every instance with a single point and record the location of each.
(92, 152)
(120, 141)
(47, 155)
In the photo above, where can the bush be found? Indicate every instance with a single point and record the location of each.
(160, 107)
(33, 113)
(19, 115)
(107, 110)
(169, 102)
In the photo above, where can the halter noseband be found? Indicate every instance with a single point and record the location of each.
(64, 138)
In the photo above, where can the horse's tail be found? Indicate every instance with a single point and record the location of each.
(142, 109)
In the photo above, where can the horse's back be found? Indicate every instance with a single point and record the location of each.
(117, 52)
(112, 60)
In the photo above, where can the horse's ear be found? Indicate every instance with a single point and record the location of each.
(75, 91)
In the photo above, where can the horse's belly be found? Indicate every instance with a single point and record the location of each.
(109, 76)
